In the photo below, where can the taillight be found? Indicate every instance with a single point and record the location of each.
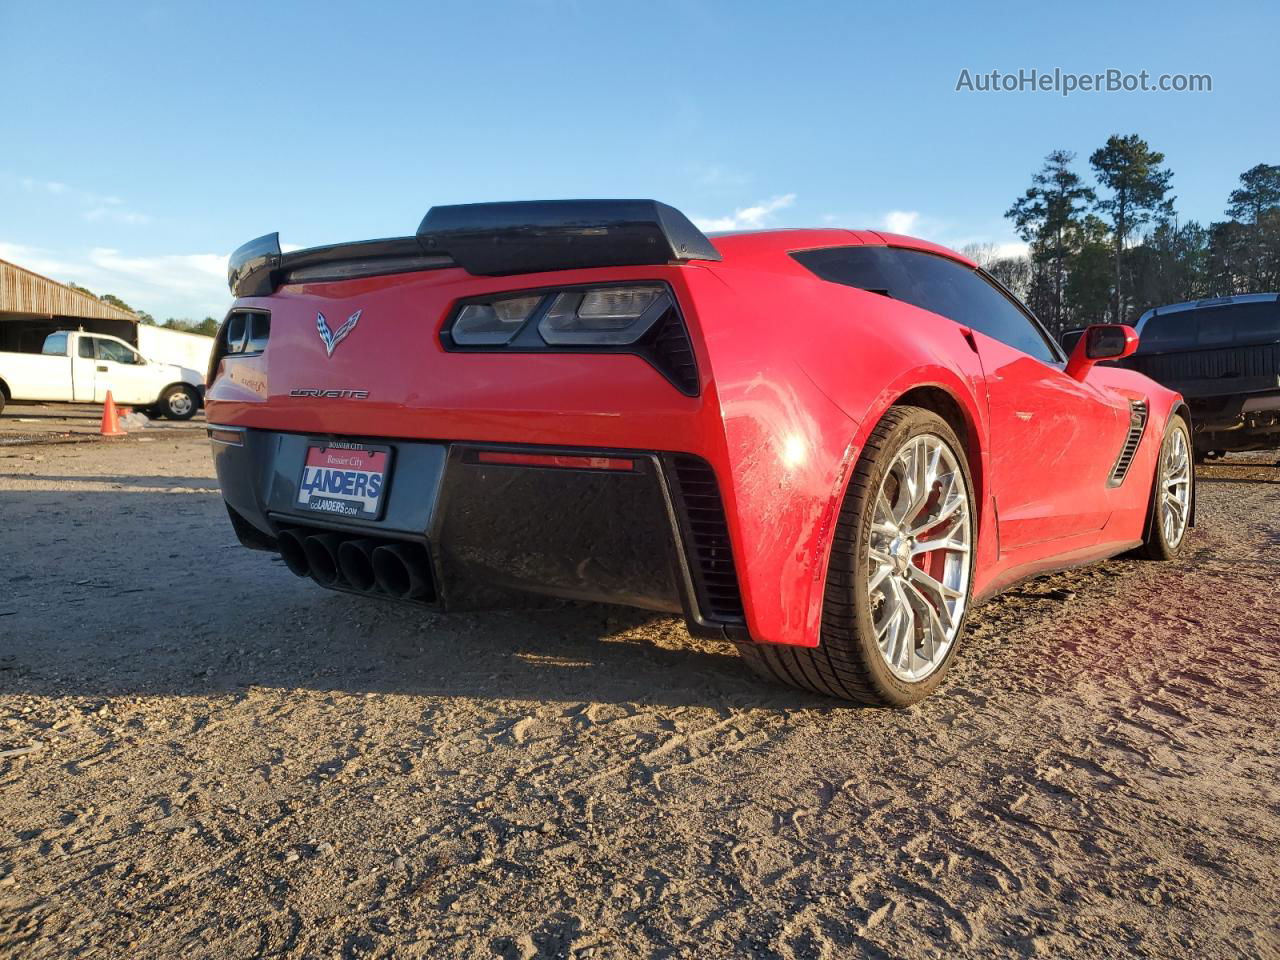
(492, 323)
(608, 315)
(641, 319)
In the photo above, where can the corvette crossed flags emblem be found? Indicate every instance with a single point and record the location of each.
(332, 338)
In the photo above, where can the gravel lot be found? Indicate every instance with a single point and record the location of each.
(202, 755)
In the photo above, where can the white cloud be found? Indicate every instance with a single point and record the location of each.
(900, 221)
(716, 175)
(170, 285)
(747, 218)
(95, 208)
(44, 186)
(33, 258)
(116, 215)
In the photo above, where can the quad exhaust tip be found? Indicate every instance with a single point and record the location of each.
(322, 557)
(403, 570)
(293, 553)
(355, 560)
(362, 564)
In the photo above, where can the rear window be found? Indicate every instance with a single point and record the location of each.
(936, 284)
(55, 345)
(1226, 326)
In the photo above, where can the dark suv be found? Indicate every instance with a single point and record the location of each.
(1223, 356)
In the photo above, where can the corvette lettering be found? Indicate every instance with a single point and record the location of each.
(331, 394)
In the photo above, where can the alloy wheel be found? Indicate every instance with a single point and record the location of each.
(918, 557)
(1175, 488)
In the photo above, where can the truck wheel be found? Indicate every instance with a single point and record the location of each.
(178, 402)
(1, 401)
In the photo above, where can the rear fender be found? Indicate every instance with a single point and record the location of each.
(797, 415)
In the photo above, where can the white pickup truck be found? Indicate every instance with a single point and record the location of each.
(81, 367)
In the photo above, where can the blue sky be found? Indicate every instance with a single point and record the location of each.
(142, 142)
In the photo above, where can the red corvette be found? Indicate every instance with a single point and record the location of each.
(823, 445)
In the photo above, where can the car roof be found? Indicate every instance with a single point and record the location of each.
(1208, 304)
(753, 245)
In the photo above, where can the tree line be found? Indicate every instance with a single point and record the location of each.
(1112, 249)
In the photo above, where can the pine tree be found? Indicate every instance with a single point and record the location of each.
(1046, 217)
(1255, 205)
(1258, 193)
(1131, 171)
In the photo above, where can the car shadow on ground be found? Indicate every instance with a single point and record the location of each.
(136, 592)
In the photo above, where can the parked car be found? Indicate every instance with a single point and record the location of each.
(823, 445)
(81, 367)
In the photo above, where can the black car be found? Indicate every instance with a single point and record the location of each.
(1223, 356)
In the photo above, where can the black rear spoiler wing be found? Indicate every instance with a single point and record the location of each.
(487, 239)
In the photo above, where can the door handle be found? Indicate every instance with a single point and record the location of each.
(102, 369)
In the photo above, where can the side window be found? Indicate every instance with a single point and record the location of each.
(977, 303)
(86, 347)
(55, 345)
(116, 352)
(936, 284)
(1222, 326)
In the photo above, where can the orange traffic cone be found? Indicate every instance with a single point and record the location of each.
(110, 419)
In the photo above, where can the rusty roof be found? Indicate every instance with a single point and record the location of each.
(23, 291)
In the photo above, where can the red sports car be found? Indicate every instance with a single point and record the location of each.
(823, 445)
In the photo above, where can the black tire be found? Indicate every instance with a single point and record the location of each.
(847, 662)
(2, 400)
(1155, 546)
(178, 402)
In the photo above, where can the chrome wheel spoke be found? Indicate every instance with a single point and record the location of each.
(905, 645)
(950, 511)
(955, 543)
(940, 590)
(935, 632)
(877, 578)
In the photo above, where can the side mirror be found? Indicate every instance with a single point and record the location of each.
(1101, 341)
(1070, 339)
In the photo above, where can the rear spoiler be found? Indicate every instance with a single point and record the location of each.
(487, 239)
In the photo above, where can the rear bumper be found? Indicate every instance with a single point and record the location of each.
(653, 536)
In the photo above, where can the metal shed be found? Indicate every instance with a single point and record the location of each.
(33, 306)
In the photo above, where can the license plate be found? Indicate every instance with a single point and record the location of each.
(344, 479)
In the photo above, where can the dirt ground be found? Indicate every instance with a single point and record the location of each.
(201, 755)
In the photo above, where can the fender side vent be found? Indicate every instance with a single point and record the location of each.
(1137, 424)
(706, 537)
